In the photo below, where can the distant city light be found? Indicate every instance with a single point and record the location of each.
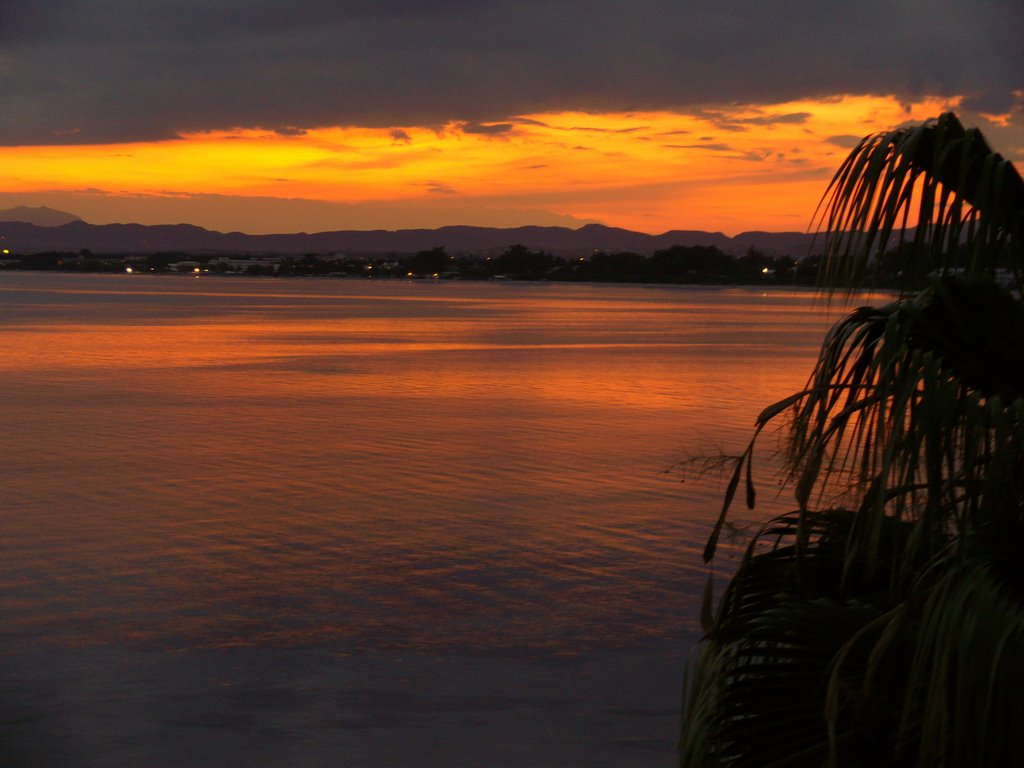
(129, 270)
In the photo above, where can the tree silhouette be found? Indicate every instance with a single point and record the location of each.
(882, 621)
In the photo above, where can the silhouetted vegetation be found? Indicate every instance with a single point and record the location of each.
(678, 264)
(428, 262)
(882, 621)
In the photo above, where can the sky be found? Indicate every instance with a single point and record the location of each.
(268, 116)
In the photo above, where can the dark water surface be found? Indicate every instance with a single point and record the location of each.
(285, 522)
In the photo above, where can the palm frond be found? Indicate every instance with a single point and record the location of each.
(962, 702)
(882, 622)
(936, 194)
(770, 652)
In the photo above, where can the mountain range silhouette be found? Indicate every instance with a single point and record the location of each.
(35, 230)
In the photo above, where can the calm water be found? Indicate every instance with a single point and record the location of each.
(269, 522)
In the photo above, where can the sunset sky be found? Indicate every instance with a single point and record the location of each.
(266, 116)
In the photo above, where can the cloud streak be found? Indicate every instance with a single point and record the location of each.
(616, 168)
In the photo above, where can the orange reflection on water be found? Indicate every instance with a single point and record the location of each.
(346, 465)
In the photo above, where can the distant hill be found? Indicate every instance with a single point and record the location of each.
(41, 216)
(75, 235)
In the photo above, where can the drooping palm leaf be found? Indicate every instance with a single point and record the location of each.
(963, 704)
(756, 698)
(963, 201)
(892, 634)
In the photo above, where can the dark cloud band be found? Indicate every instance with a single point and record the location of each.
(118, 70)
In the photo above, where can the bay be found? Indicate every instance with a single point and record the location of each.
(332, 522)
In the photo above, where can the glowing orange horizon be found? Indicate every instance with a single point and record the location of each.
(725, 168)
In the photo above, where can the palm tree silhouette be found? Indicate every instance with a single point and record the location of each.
(882, 621)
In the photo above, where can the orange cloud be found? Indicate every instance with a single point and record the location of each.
(722, 168)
